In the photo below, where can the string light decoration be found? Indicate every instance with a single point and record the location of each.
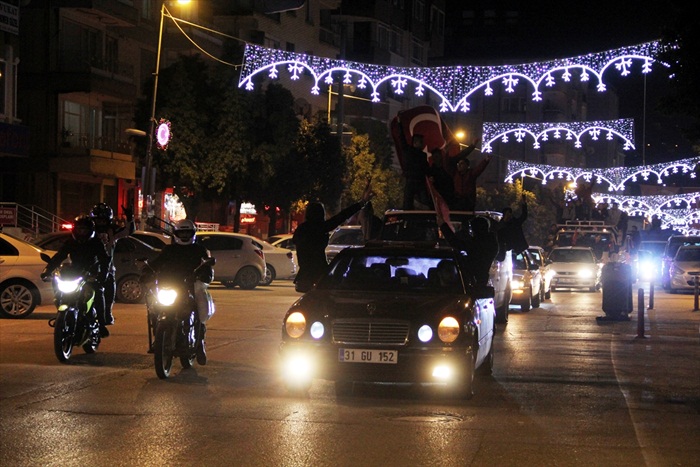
(454, 85)
(679, 212)
(560, 131)
(615, 177)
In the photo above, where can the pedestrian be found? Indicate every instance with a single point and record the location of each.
(510, 231)
(415, 169)
(465, 183)
(311, 239)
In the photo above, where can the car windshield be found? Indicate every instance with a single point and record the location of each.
(571, 256)
(688, 255)
(536, 255)
(394, 272)
(654, 248)
(675, 243)
(519, 262)
(583, 238)
(347, 237)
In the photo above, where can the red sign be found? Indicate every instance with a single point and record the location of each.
(8, 216)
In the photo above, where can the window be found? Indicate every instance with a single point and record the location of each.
(3, 80)
(383, 37)
(419, 10)
(437, 21)
(513, 105)
(417, 52)
(147, 9)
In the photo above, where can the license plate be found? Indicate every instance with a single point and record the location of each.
(567, 281)
(368, 356)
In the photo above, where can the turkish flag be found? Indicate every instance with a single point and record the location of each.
(439, 203)
(423, 120)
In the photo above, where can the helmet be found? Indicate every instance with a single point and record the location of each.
(184, 232)
(102, 211)
(83, 229)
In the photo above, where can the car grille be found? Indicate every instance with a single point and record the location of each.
(567, 273)
(370, 332)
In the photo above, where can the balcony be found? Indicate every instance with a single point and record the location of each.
(107, 12)
(97, 156)
(78, 73)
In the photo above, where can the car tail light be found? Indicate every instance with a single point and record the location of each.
(290, 255)
(260, 253)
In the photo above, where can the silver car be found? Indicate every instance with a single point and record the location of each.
(685, 268)
(240, 260)
(345, 236)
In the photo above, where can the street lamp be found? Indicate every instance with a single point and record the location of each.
(148, 180)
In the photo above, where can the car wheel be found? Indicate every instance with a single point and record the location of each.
(537, 299)
(525, 307)
(464, 388)
(502, 313)
(548, 294)
(552, 289)
(270, 275)
(486, 367)
(248, 278)
(129, 290)
(18, 298)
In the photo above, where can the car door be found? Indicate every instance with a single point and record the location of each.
(228, 251)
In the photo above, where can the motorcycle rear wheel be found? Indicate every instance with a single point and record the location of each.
(163, 349)
(64, 334)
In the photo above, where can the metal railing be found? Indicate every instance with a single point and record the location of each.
(32, 220)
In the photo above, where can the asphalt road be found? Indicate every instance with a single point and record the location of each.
(567, 390)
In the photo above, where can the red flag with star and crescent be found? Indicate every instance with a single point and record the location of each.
(423, 120)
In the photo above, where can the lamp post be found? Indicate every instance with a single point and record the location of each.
(148, 179)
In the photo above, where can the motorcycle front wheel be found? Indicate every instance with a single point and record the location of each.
(163, 349)
(94, 340)
(64, 334)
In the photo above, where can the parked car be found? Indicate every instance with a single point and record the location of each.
(127, 272)
(280, 263)
(345, 236)
(539, 256)
(673, 243)
(421, 226)
(647, 264)
(21, 287)
(155, 239)
(240, 260)
(584, 234)
(574, 268)
(285, 241)
(685, 268)
(393, 314)
(528, 286)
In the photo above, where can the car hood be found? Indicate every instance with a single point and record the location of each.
(348, 305)
(688, 265)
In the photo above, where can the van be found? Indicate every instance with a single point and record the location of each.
(673, 243)
(421, 226)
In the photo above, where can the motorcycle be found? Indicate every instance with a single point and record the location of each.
(174, 328)
(76, 321)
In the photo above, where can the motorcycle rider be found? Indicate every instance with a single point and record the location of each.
(180, 259)
(109, 232)
(88, 252)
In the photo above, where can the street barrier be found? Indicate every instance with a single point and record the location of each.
(696, 292)
(651, 294)
(640, 313)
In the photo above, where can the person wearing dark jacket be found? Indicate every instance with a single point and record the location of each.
(86, 251)
(481, 246)
(415, 169)
(465, 183)
(311, 239)
(510, 231)
(110, 232)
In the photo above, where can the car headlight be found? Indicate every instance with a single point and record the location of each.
(166, 296)
(448, 329)
(68, 286)
(518, 284)
(295, 325)
(317, 330)
(585, 273)
(677, 271)
(425, 333)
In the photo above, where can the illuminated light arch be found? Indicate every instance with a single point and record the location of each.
(572, 131)
(454, 85)
(679, 211)
(615, 177)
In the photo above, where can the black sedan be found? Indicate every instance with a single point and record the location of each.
(390, 314)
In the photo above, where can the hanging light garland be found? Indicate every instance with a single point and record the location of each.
(615, 177)
(454, 85)
(560, 131)
(679, 212)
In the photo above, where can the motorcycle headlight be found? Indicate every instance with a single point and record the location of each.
(448, 329)
(166, 296)
(68, 286)
(295, 325)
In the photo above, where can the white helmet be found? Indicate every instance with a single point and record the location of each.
(185, 232)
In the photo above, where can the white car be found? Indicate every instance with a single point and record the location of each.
(345, 236)
(574, 268)
(528, 283)
(280, 263)
(155, 239)
(685, 268)
(540, 257)
(240, 260)
(21, 287)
